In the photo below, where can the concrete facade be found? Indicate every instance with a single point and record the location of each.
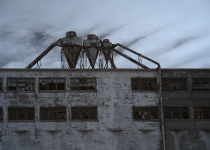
(115, 127)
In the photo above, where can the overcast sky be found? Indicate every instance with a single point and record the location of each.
(174, 33)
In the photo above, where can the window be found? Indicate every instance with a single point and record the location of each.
(53, 113)
(144, 83)
(51, 84)
(83, 84)
(176, 113)
(21, 114)
(174, 84)
(84, 113)
(20, 84)
(1, 114)
(201, 84)
(1, 84)
(145, 113)
(202, 112)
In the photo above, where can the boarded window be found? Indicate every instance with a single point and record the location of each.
(174, 84)
(143, 84)
(202, 112)
(201, 84)
(83, 83)
(176, 112)
(53, 114)
(1, 114)
(21, 114)
(1, 84)
(84, 113)
(51, 84)
(145, 113)
(20, 84)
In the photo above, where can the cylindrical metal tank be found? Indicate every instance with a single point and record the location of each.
(71, 48)
(92, 46)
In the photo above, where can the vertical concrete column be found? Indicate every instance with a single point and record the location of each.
(190, 99)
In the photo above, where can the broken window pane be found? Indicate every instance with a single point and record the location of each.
(53, 113)
(174, 84)
(83, 83)
(84, 113)
(202, 112)
(176, 113)
(21, 114)
(51, 84)
(1, 84)
(201, 84)
(1, 114)
(20, 84)
(167, 113)
(143, 84)
(153, 112)
(184, 113)
(145, 113)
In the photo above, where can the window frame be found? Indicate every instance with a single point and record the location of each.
(48, 111)
(199, 83)
(17, 88)
(174, 113)
(82, 113)
(76, 85)
(17, 111)
(137, 111)
(143, 84)
(202, 115)
(48, 82)
(168, 83)
(1, 84)
(1, 114)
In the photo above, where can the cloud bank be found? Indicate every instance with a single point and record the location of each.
(174, 33)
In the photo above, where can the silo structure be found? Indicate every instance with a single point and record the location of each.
(92, 46)
(71, 48)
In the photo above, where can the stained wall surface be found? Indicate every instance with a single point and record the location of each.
(115, 127)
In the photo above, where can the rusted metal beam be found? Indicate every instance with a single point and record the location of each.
(131, 59)
(41, 55)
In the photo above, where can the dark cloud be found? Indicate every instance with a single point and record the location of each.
(165, 31)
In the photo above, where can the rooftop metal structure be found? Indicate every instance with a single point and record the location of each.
(90, 53)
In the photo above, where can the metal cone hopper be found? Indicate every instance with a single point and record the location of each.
(92, 46)
(71, 47)
(107, 47)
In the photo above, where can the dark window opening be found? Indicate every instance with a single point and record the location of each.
(174, 84)
(83, 84)
(84, 113)
(143, 84)
(1, 114)
(51, 84)
(202, 112)
(53, 113)
(176, 112)
(145, 113)
(1, 84)
(21, 114)
(20, 84)
(201, 84)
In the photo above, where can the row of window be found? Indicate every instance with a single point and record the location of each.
(91, 113)
(170, 84)
(58, 84)
(49, 84)
(50, 113)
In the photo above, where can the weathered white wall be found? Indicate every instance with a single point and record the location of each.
(114, 130)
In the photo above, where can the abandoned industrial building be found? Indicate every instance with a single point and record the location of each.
(82, 107)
